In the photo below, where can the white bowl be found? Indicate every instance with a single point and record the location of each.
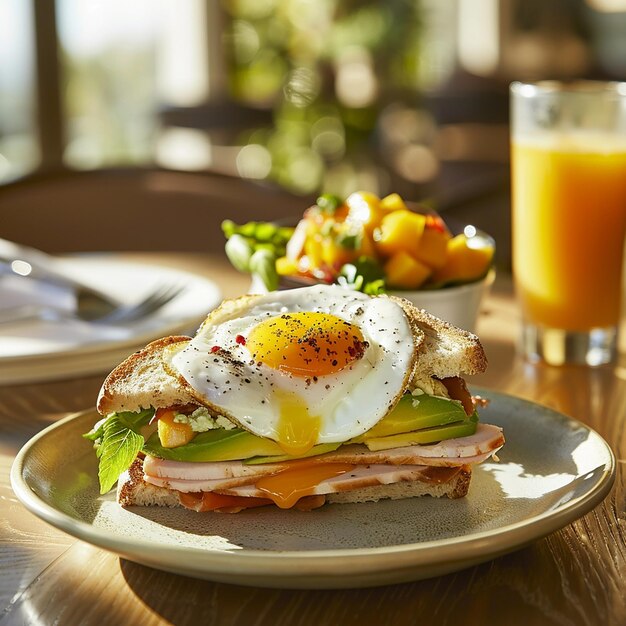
(457, 305)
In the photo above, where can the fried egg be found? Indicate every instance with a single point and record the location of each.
(319, 364)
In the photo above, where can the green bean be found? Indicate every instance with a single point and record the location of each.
(270, 247)
(285, 233)
(239, 251)
(265, 231)
(229, 228)
(248, 230)
(263, 264)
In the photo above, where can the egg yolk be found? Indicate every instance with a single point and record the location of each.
(297, 428)
(306, 344)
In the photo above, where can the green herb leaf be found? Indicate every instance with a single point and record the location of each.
(117, 451)
(120, 441)
(96, 433)
(364, 266)
(364, 274)
(350, 241)
(329, 203)
(375, 287)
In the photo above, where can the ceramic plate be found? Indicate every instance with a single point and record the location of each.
(38, 350)
(551, 471)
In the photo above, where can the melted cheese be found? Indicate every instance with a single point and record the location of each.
(287, 487)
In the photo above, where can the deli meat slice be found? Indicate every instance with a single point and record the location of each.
(160, 468)
(216, 484)
(362, 476)
(450, 453)
(476, 448)
(359, 476)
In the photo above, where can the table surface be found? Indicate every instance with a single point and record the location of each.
(574, 576)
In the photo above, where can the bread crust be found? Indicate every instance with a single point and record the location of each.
(455, 488)
(447, 350)
(141, 381)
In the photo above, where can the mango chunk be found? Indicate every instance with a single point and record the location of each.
(313, 250)
(433, 248)
(333, 254)
(400, 231)
(364, 209)
(366, 247)
(173, 434)
(405, 272)
(286, 266)
(393, 202)
(467, 260)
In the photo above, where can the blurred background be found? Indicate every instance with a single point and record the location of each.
(273, 102)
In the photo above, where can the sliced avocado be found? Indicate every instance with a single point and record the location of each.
(429, 420)
(321, 448)
(414, 413)
(215, 445)
(427, 435)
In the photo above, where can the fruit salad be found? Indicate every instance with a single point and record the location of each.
(363, 242)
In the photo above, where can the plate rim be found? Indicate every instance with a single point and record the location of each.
(478, 547)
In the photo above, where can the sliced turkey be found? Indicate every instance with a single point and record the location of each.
(361, 476)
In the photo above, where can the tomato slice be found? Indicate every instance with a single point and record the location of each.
(436, 223)
(458, 391)
(210, 501)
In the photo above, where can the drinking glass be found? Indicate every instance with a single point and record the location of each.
(568, 165)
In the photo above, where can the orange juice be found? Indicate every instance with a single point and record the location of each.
(569, 221)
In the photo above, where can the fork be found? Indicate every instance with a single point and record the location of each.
(92, 305)
(122, 314)
(31, 263)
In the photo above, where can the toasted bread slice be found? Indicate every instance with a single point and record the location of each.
(446, 350)
(142, 381)
(457, 487)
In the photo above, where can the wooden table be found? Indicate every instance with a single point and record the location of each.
(574, 576)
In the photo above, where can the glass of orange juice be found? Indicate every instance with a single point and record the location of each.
(568, 165)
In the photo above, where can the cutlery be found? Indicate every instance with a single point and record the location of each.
(29, 262)
(120, 315)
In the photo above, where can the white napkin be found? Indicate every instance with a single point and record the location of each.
(17, 291)
(35, 336)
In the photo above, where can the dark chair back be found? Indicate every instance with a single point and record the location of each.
(134, 209)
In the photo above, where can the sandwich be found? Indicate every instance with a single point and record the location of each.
(296, 399)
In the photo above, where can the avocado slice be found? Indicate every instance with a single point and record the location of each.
(321, 448)
(215, 445)
(414, 413)
(427, 435)
(426, 421)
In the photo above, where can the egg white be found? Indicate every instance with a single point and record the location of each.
(349, 402)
